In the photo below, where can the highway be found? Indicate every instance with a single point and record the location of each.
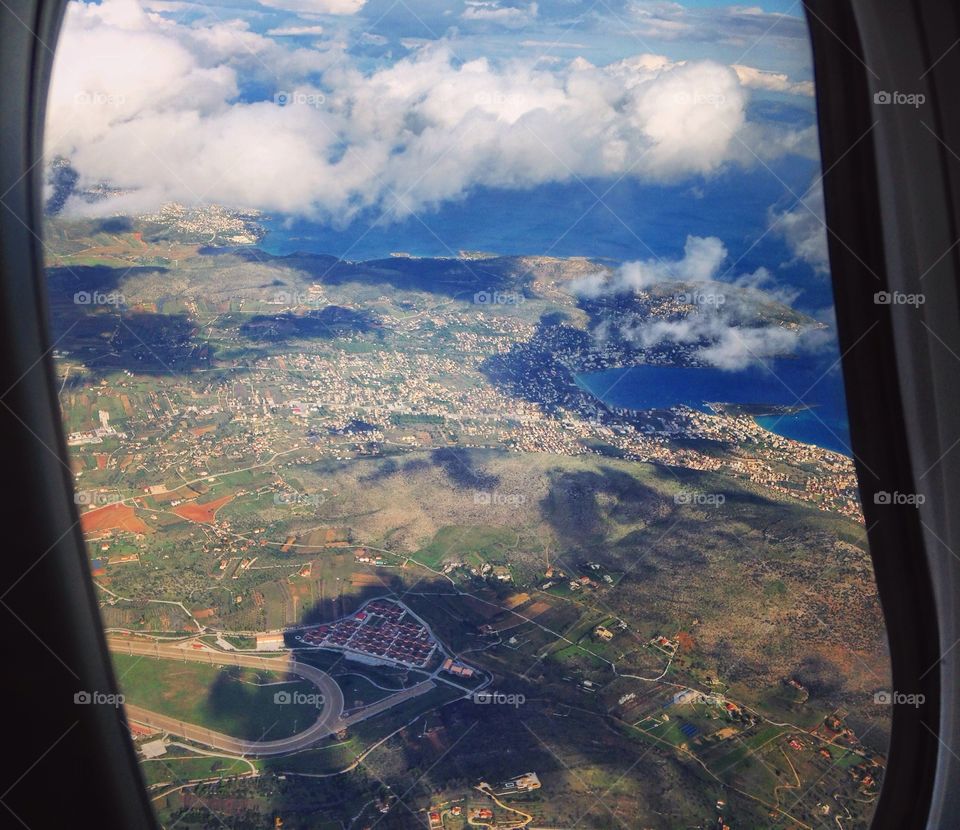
(388, 703)
(327, 723)
(330, 721)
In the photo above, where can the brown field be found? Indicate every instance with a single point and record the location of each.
(515, 600)
(301, 590)
(363, 579)
(538, 608)
(183, 493)
(326, 537)
(129, 248)
(203, 513)
(685, 641)
(113, 517)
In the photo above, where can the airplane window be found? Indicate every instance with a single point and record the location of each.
(456, 413)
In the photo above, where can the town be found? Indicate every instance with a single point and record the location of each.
(381, 630)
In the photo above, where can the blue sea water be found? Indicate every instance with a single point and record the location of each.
(813, 382)
(623, 221)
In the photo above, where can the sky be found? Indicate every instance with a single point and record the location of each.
(329, 108)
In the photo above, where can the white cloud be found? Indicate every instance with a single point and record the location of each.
(490, 11)
(731, 25)
(736, 347)
(701, 261)
(154, 107)
(295, 31)
(335, 7)
(754, 78)
(533, 43)
(804, 230)
(664, 21)
(715, 330)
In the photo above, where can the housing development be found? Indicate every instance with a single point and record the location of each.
(381, 630)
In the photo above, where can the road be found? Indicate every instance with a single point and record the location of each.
(327, 723)
(388, 702)
(330, 721)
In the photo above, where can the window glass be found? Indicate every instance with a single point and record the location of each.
(456, 413)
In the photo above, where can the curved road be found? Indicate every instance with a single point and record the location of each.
(328, 722)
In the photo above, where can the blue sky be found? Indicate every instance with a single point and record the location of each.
(772, 33)
(328, 109)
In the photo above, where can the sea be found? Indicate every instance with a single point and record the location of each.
(618, 222)
(786, 382)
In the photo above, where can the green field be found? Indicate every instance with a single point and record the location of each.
(323, 760)
(178, 766)
(235, 701)
(473, 545)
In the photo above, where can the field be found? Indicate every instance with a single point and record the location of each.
(204, 513)
(112, 517)
(180, 765)
(237, 702)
